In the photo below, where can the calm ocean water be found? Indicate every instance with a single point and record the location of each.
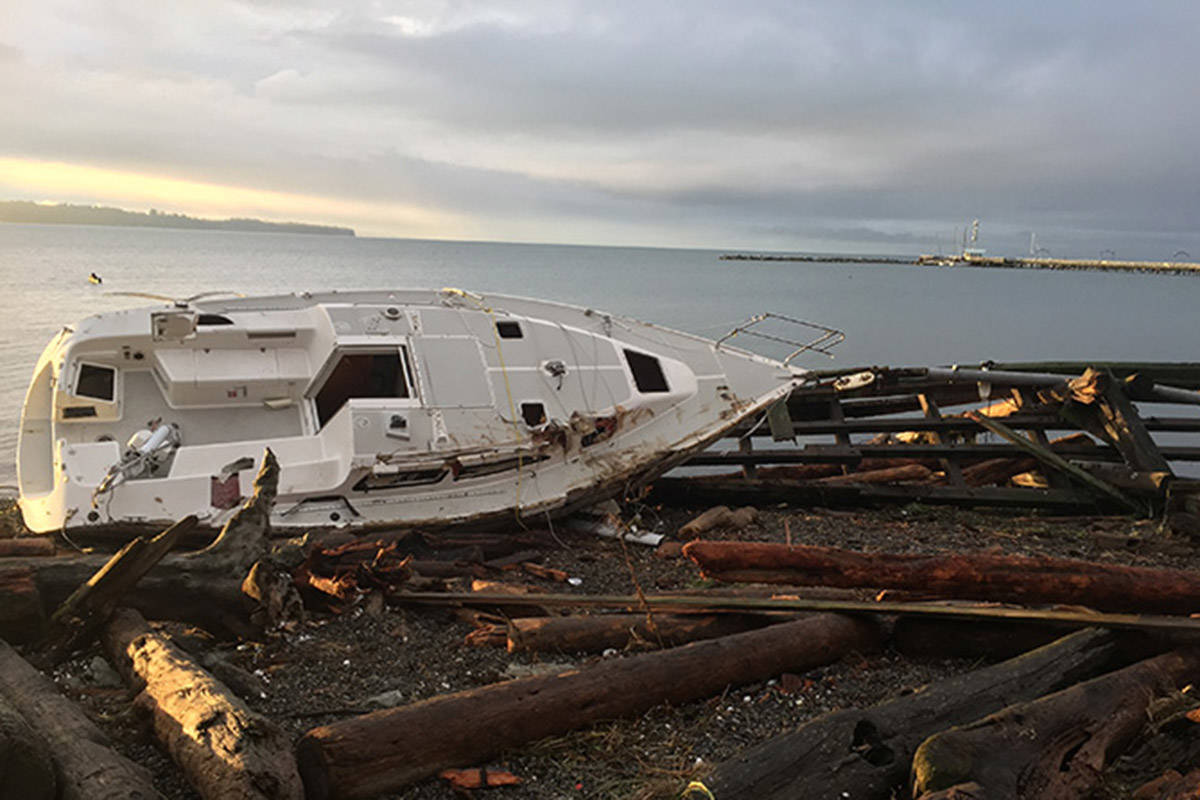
(892, 314)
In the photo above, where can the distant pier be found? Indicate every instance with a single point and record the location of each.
(1111, 265)
(975, 260)
(821, 259)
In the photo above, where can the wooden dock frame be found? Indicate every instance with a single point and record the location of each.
(1123, 469)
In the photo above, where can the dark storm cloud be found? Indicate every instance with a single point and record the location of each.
(657, 118)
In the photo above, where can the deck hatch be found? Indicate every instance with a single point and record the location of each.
(647, 372)
(362, 375)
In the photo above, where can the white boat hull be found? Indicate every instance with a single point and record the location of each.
(383, 408)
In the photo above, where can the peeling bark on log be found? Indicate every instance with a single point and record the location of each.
(88, 768)
(225, 749)
(385, 750)
(79, 617)
(1054, 748)
(1016, 579)
(26, 769)
(865, 753)
(595, 633)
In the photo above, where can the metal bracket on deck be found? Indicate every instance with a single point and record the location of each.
(827, 339)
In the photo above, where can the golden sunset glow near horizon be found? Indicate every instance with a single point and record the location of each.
(856, 126)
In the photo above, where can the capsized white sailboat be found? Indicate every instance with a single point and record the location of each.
(415, 407)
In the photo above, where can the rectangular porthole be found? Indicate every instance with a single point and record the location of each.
(508, 329)
(534, 414)
(647, 372)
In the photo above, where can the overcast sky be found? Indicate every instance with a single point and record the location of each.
(750, 124)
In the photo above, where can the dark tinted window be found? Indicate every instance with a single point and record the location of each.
(361, 375)
(509, 329)
(647, 372)
(97, 382)
(534, 414)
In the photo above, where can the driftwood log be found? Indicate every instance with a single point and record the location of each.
(225, 749)
(1000, 578)
(76, 621)
(594, 633)
(865, 753)
(1054, 748)
(203, 587)
(87, 767)
(26, 769)
(385, 750)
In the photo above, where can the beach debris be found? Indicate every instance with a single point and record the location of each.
(87, 766)
(865, 753)
(975, 576)
(224, 748)
(1055, 747)
(386, 750)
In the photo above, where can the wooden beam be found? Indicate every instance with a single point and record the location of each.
(1069, 620)
(1055, 461)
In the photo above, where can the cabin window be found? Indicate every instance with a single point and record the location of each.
(534, 414)
(509, 329)
(213, 319)
(647, 372)
(98, 383)
(397, 480)
(360, 375)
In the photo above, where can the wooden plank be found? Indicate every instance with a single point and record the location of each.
(953, 469)
(1068, 620)
(1055, 461)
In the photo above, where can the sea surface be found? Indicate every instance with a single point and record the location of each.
(891, 314)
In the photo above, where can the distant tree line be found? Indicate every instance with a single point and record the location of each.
(68, 214)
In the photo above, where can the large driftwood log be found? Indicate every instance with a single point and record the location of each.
(1054, 748)
(88, 768)
(225, 749)
(593, 633)
(1016, 579)
(385, 750)
(26, 769)
(203, 588)
(865, 753)
(81, 615)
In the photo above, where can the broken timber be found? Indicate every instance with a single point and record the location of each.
(1125, 470)
(1053, 748)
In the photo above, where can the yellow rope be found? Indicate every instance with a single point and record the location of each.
(512, 406)
(697, 786)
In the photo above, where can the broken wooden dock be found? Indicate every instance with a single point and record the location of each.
(1027, 435)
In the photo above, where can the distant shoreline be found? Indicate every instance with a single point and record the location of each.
(21, 211)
